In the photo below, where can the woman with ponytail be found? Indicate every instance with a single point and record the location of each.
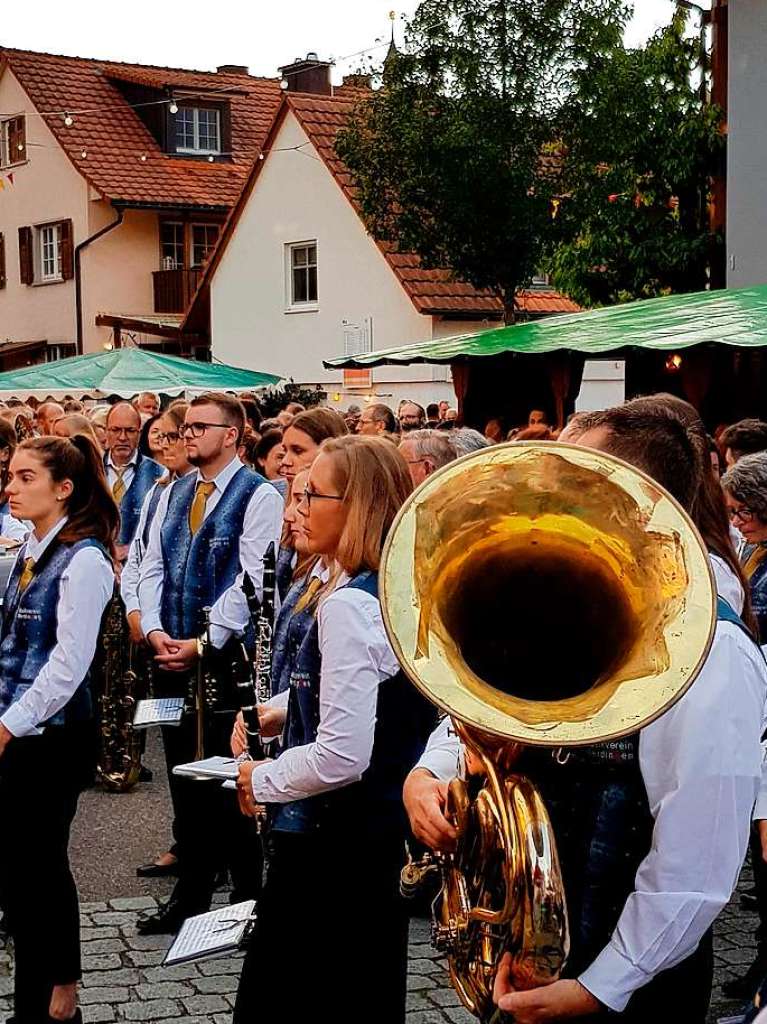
(51, 618)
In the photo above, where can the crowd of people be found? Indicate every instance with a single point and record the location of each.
(177, 507)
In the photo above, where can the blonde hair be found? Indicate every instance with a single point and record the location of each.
(76, 423)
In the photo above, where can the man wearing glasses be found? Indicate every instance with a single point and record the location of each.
(210, 527)
(130, 474)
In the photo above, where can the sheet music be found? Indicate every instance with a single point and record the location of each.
(216, 933)
(158, 711)
(210, 768)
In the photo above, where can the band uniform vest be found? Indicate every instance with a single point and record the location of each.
(404, 721)
(146, 472)
(28, 633)
(197, 570)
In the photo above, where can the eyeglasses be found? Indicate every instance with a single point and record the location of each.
(744, 514)
(414, 462)
(170, 438)
(127, 431)
(198, 429)
(309, 496)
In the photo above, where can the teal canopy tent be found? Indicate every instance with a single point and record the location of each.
(125, 372)
(705, 346)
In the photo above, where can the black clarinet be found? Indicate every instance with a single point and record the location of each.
(259, 686)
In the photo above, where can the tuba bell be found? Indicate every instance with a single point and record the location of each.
(547, 595)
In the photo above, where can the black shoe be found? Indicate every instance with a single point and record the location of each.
(745, 987)
(146, 774)
(166, 921)
(155, 870)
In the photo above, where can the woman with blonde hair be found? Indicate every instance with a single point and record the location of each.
(350, 722)
(75, 423)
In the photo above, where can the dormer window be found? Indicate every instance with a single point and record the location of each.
(198, 130)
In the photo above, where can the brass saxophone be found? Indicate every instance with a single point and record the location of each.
(122, 681)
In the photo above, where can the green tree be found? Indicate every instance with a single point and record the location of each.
(638, 152)
(450, 158)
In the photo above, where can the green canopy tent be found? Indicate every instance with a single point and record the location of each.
(706, 347)
(125, 372)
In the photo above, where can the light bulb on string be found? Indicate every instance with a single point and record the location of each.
(84, 154)
(142, 158)
(284, 84)
(173, 107)
(68, 120)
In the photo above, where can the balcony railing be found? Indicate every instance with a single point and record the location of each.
(173, 289)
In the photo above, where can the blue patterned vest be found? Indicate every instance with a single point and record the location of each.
(146, 473)
(28, 633)
(284, 571)
(404, 721)
(197, 570)
(154, 500)
(600, 813)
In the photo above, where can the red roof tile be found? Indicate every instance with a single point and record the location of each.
(124, 161)
(431, 291)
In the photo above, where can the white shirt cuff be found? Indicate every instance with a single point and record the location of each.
(151, 624)
(219, 635)
(612, 979)
(760, 808)
(19, 722)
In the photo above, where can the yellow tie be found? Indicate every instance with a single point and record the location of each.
(26, 576)
(200, 500)
(118, 487)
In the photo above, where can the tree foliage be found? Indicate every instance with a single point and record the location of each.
(639, 149)
(450, 157)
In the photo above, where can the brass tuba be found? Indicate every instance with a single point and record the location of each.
(546, 595)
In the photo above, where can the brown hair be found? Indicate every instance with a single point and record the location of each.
(230, 408)
(319, 424)
(745, 437)
(7, 440)
(91, 508)
(538, 432)
(79, 424)
(176, 411)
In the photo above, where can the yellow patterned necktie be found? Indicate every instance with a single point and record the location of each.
(118, 487)
(197, 510)
(27, 574)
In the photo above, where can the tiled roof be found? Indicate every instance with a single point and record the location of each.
(431, 291)
(123, 161)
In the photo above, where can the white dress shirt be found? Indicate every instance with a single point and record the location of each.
(701, 766)
(85, 589)
(728, 585)
(130, 572)
(356, 659)
(262, 524)
(128, 470)
(12, 529)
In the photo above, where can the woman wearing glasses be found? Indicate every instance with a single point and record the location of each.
(351, 724)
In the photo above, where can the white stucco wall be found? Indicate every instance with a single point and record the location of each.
(747, 144)
(296, 199)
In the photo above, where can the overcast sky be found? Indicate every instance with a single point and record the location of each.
(260, 33)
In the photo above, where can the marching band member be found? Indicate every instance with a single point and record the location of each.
(302, 438)
(652, 847)
(52, 610)
(350, 720)
(130, 474)
(209, 527)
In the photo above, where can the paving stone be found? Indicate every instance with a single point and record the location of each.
(190, 1020)
(6, 986)
(149, 941)
(134, 903)
(164, 990)
(97, 1014)
(103, 946)
(114, 917)
(91, 908)
(124, 976)
(420, 930)
(423, 949)
(106, 962)
(444, 997)
(154, 1010)
(425, 1017)
(460, 1015)
(416, 965)
(105, 932)
(417, 983)
(418, 1001)
(222, 1018)
(228, 966)
(738, 956)
(205, 1004)
(177, 972)
(217, 983)
(108, 994)
(145, 958)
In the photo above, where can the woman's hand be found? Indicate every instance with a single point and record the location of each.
(562, 1000)
(424, 798)
(239, 740)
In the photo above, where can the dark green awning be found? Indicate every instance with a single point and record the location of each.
(729, 317)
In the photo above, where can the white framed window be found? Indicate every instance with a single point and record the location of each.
(198, 130)
(13, 140)
(204, 237)
(540, 280)
(49, 252)
(171, 245)
(301, 272)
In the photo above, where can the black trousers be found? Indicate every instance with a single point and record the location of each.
(210, 832)
(41, 778)
(331, 937)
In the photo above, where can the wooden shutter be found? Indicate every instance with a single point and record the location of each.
(17, 139)
(67, 251)
(26, 256)
(2, 260)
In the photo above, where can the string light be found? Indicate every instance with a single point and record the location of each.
(68, 120)
(173, 107)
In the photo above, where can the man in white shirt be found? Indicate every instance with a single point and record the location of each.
(641, 947)
(210, 527)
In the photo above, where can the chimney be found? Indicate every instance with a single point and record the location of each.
(308, 74)
(233, 69)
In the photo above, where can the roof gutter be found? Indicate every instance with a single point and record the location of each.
(78, 275)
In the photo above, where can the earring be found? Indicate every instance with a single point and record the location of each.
(59, 499)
